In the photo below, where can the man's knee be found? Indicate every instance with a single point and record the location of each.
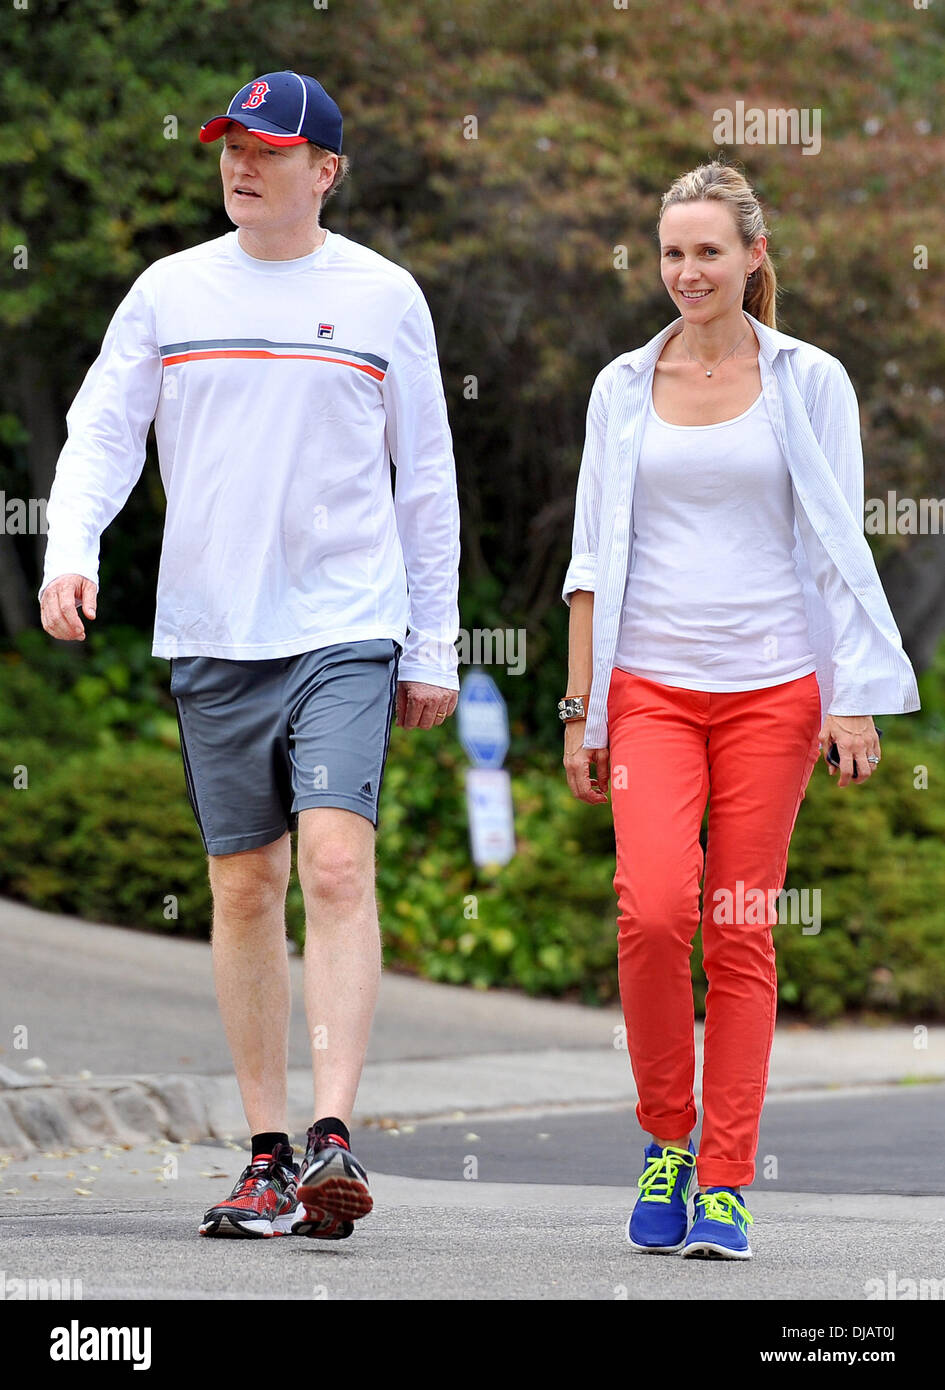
(252, 882)
(335, 858)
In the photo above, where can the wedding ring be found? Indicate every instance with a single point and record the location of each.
(871, 758)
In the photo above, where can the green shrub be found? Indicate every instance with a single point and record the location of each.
(107, 835)
(877, 854)
(103, 830)
(545, 922)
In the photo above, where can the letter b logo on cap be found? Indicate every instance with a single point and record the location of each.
(257, 95)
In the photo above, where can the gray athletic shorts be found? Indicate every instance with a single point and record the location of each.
(263, 740)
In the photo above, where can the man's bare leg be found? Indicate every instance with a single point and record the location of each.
(342, 950)
(251, 971)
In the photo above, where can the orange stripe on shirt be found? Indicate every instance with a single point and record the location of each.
(257, 352)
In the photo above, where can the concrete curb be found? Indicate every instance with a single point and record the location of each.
(57, 1115)
(53, 1114)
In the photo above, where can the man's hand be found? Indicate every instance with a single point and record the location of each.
(856, 738)
(578, 761)
(422, 706)
(59, 606)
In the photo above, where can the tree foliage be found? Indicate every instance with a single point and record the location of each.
(582, 114)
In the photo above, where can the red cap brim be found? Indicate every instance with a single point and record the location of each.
(217, 127)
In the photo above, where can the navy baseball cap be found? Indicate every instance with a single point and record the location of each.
(282, 108)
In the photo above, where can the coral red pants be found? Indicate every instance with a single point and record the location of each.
(751, 754)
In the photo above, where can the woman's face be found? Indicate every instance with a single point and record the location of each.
(702, 260)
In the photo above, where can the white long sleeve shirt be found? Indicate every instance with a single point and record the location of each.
(279, 390)
(860, 663)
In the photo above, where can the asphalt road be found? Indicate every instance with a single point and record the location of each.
(856, 1196)
(129, 1231)
(889, 1139)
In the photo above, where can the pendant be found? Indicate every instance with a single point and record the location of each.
(708, 373)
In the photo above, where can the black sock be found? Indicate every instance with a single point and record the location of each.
(268, 1143)
(332, 1125)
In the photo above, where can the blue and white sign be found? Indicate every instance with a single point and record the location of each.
(491, 815)
(483, 721)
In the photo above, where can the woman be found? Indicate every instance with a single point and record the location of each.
(727, 624)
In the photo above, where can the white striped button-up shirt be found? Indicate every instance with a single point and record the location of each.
(861, 666)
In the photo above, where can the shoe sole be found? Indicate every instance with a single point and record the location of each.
(341, 1198)
(312, 1223)
(656, 1249)
(258, 1229)
(706, 1250)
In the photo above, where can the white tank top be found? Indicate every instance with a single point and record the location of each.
(713, 600)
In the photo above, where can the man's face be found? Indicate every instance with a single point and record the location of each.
(267, 187)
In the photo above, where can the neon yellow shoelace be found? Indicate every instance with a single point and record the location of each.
(721, 1206)
(659, 1176)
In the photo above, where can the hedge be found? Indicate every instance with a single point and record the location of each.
(103, 830)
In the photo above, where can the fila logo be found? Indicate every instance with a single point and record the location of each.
(257, 95)
(326, 330)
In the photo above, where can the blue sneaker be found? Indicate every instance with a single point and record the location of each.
(660, 1219)
(720, 1230)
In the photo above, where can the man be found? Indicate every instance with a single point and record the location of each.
(284, 366)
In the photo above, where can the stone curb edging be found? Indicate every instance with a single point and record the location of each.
(52, 1116)
(51, 1113)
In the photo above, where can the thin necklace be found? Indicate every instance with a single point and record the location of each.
(709, 370)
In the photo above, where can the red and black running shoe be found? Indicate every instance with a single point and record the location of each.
(333, 1189)
(263, 1202)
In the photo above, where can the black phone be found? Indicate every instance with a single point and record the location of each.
(833, 754)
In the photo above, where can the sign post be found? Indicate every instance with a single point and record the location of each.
(483, 723)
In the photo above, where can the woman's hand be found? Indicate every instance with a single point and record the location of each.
(578, 761)
(856, 738)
